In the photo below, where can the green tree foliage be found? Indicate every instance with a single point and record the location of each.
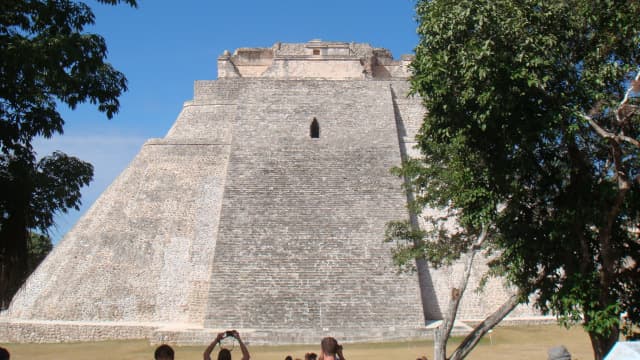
(534, 129)
(46, 59)
(39, 246)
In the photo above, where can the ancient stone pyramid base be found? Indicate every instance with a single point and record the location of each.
(71, 331)
(25, 331)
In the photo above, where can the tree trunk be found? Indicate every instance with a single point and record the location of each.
(13, 259)
(439, 344)
(443, 332)
(483, 328)
(12, 273)
(602, 344)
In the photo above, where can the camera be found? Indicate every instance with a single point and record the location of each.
(228, 333)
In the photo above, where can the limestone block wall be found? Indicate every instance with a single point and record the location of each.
(322, 68)
(477, 303)
(219, 92)
(436, 284)
(143, 251)
(252, 62)
(325, 47)
(59, 331)
(226, 69)
(409, 113)
(210, 124)
(300, 240)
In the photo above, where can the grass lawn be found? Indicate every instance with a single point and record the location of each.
(527, 342)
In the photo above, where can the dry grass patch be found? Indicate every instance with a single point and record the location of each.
(512, 343)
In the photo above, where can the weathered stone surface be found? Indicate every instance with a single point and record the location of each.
(624, 350)
(300, 239)
(313, 60)
(239, 219)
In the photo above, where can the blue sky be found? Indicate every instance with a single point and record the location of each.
(164, 46)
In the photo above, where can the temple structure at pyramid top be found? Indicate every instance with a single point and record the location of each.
(263, 209)
(315, 59)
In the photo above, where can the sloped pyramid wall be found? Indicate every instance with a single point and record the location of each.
(300, 238)
(238, 218)
(143, 251)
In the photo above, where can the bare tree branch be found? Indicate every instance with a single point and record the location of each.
(609, 135)
(621, 176)
(471, 340)
(443, 332)
(621, 117)
(483, 328)
(627, 96)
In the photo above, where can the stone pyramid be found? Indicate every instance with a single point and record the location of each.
(263, 209)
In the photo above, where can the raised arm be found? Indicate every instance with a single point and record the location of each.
(243, 348)
(209, 349)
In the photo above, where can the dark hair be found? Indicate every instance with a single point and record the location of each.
(329, 346)
(4, 354)
(163, 352)
(288, 357)
(224, 354)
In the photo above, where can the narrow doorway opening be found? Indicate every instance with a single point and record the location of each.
(314, 130)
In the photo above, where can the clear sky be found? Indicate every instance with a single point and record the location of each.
(164, 46)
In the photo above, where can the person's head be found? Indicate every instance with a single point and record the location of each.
(224, 354)
(164, 352)
(329, 346)
(4, 354)
(288, 357)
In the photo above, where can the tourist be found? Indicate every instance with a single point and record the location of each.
(330, 349)
(164, 352)
(310, 356)
(225, 354)
(4, 354)
(288, 357)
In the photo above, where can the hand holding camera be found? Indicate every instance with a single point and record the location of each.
(226, 334)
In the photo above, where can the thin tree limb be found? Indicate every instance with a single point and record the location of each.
(483, 328)
(609, 135)
(443, 332)
(620, 117)
(626, 98)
